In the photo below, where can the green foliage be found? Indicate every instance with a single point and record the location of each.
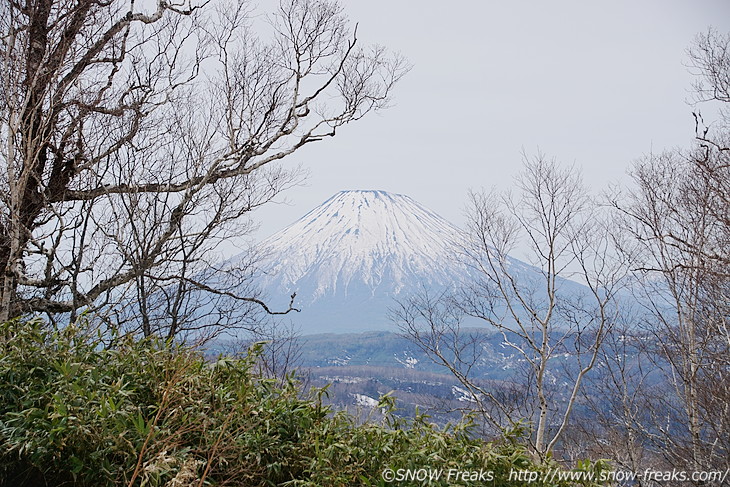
(147, 413)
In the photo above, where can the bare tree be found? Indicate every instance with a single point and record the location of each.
(685, 291)
(544, 317)
(618, 398)
(135, 140)
(678, 214)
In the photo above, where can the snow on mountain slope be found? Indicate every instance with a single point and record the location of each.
(352, 257)
(349, 257)
(378, 238)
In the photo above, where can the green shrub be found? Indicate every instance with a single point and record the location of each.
(149, 414)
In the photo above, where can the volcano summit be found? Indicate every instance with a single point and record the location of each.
(351, 256)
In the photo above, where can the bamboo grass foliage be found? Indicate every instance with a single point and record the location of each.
(75, 411)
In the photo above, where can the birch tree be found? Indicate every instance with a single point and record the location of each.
(677, 213)
(543, 316)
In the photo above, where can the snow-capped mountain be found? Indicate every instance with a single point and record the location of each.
(350, 259)
(351, 256)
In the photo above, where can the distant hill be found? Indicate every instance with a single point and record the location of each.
(359, 368)
(386, 350)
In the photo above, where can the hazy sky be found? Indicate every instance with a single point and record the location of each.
(595, 84)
